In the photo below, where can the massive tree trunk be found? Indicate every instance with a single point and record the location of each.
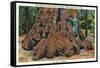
(49, 38)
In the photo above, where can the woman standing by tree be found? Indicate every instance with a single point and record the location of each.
(74, 23)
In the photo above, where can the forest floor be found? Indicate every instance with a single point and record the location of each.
(25, 56)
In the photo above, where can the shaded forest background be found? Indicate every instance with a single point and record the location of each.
(27, 14)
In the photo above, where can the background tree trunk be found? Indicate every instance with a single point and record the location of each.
(86, 27)
(27, 20)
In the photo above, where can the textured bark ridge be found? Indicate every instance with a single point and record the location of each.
(44, 25)
(49, 37)
(57, 44)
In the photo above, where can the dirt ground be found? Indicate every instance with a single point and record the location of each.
(25, 56)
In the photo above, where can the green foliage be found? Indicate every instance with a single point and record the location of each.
(21, 19)
(87, 19)
(22, 22)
